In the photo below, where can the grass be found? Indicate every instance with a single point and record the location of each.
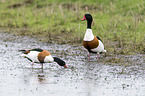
(119, 23)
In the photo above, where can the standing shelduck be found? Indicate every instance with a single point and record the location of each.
(41, 56)
(92, 43)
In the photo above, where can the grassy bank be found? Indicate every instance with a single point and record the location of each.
(119, 23)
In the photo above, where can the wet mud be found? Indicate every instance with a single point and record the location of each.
(110, 76)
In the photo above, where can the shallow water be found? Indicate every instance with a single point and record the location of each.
(82, 78)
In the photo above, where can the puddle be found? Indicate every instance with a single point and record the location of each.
(82, 78)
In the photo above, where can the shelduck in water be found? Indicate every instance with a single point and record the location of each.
(41, 56)
(92, 43)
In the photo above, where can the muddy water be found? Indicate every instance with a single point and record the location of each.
(82, 78)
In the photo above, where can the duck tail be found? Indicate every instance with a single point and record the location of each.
(24, 51)
(104, 51)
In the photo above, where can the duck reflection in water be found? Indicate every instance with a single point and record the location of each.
(40, 76)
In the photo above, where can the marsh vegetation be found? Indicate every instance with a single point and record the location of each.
(120, 24)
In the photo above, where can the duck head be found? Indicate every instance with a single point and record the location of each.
(89, 19)
(60, 62)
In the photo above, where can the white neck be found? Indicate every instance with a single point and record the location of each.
(49, 59)
(88, 35)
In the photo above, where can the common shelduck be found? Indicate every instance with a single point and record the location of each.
(41, 56)
(92, 43)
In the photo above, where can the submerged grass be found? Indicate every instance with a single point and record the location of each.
(119, 23)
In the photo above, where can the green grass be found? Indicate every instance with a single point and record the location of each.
(119, 23)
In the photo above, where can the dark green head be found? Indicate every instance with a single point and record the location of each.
(89, 19)
(60, 62)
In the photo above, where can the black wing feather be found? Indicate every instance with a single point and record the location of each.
(88, 48)
(23, 51)
(99, 38)
(37, 49)
(29, 59)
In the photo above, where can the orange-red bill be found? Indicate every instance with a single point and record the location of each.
(83, 18)
(65, 66)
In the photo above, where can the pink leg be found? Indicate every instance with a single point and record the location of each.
(42, 65)
(98, 56)
(32, 64)
(88, 56)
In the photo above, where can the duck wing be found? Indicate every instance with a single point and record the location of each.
(26, 51)
(99, 38)
(37, 49)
